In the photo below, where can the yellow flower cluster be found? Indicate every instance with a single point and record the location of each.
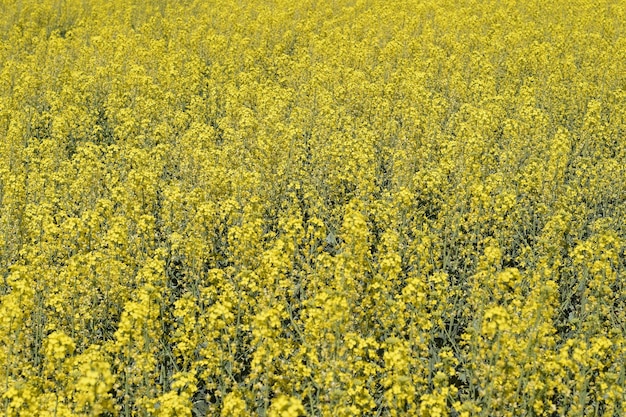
(314, 208)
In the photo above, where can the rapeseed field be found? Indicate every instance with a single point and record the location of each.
(312, 208)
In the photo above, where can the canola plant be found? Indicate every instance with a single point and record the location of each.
(312, 208)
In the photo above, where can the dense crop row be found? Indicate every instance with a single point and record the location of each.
(325, 208)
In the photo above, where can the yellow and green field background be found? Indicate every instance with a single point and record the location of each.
(312, 208)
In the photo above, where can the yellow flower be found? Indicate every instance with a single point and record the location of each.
(284, 406)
